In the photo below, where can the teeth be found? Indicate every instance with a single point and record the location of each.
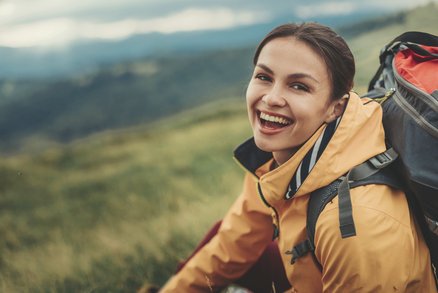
(275, 119)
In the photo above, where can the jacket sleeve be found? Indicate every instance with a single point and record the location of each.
(245, 232)
(386, 255)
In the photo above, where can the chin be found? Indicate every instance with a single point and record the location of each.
(271, 146)
(264, 145)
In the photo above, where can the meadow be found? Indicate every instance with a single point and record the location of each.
(118, 210)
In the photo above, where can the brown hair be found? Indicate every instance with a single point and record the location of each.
(328, 44)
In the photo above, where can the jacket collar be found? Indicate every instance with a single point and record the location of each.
(251, 157)
(273, 183)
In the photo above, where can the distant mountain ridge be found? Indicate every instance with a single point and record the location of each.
(88, 56)
(33, 113)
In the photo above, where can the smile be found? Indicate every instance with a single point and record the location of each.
(273, 121)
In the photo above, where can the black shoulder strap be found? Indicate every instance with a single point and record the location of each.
(376, 170)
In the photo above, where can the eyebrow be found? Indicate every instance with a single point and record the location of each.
(292, 75)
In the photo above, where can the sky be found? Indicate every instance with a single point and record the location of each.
(59, 23)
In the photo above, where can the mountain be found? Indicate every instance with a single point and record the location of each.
(123, 95)
(35, 113)
(88, 56)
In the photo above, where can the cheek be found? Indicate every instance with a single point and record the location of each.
(315, 108)
(249, 91)
(310, 116)
(251, 97)
(249, 104)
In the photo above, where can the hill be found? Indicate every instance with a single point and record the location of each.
(123, 95)
(34, 114)
(111, 212)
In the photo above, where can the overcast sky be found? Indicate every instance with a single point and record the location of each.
(57, 23)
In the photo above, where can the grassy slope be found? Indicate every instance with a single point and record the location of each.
(116, 210)
(111, 212)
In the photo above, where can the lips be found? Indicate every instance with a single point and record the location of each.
(272, 120)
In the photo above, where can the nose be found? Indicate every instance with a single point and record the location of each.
(274, 98)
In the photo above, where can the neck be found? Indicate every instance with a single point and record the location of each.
(281, 157)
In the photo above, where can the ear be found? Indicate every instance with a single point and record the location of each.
(336, 108)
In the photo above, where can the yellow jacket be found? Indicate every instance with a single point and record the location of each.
(386, 255)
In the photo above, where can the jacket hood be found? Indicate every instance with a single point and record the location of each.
(358, 137)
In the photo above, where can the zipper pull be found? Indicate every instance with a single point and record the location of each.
(387, 95)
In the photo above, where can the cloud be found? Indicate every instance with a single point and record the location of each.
(325, 9)
(63, 31)
(21, 11)
(47, 23)
(320, 8)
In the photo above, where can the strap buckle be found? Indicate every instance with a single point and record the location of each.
(300, 250)
(384, 159)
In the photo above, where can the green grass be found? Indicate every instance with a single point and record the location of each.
(117, 210)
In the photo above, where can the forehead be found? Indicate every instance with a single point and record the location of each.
(291, 55)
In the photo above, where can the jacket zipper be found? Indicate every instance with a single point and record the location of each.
(259, 191)
(277, 218)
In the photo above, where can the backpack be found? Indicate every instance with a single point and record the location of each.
(406, 85)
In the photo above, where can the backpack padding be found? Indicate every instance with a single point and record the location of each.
(417, 149)
(429, 237)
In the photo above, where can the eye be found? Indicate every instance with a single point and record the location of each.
(299, 86)
(262, 77)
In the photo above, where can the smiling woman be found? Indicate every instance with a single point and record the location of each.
(294, 89)
(309, 129)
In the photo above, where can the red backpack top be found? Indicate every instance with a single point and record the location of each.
(419, 70)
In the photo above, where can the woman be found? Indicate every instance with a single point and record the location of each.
(309, 129)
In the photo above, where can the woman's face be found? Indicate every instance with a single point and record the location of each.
(288, 97)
